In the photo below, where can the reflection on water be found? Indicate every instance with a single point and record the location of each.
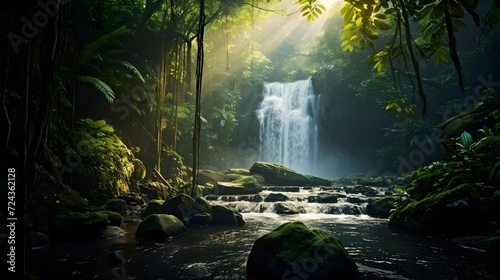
(381, 252)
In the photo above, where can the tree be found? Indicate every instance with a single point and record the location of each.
(415, 30)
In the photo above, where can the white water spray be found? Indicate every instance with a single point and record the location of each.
(288, 133)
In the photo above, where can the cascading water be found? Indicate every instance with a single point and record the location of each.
(288, 133)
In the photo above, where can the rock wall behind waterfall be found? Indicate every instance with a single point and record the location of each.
(351, 128)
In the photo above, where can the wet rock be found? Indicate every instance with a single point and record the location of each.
(76, 225)
(181, 206)
(112, 232)
(211, 177)
(222, 215)
(285, 208)
(155, 190)
(283, 176)
(381, 207)
(117, 257)
(160, 226)
(351, 210)
(292, 246)
(132, 197)
(116, 205)
(245, 185)
(328, 198)
(154, 207)
(356, 200)
(285, 189)
(38, 240)
(200, 220)
(274, 197)
(364, 190)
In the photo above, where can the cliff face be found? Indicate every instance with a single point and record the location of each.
(351, 127)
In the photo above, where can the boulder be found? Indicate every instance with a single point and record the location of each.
(154, 207)
(201, 220)
(116, 205)
(455, 212)
(382, 207)
(222, 215)
(37, 240)
(160, 226)
(279, 175)
(132, 198)
(211, 177)
(48, 196)
(77, 225)
(180, 206)
(364, 190)
(244, 185)
(285, 208)
(155, 190)
(293, 251)
(328, 198)
(273, 197)
(112, 232)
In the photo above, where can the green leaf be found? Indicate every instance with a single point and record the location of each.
(104, 88)
(381, 25)
(466, 140)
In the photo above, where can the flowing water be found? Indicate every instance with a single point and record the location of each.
(288, 131)
(381, 252)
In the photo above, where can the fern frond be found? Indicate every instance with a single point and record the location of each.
(132, 68)
(104, 88)
(101, 45)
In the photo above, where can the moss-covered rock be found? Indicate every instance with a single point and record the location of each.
(222, 215)
(160, 226)
(79, 225)
(154, 207)
(381, 207)
(49, 197)
(155, 190)
(180, 206)
(242, 185)
(279, 174)
(454, 212)
(116, 205)
(292, 250)
(283, 176)
(209, 176)
(274, 197)
(285, 208)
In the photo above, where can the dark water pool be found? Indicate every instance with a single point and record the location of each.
(381, 252)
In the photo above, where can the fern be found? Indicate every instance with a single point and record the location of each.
(103, 87)
(132, 68)
(93, 49)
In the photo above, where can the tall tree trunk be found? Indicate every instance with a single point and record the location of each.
(197, 118)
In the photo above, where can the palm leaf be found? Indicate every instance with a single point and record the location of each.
(103, 87)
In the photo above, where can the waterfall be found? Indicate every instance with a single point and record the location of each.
(288, 132)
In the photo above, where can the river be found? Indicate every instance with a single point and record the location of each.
(380, 251)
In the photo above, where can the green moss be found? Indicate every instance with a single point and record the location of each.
(249, 182)
(77, 225)
(435, 200)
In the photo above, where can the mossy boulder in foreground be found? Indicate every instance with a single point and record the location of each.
(455, 212)
(77, 225)
(293, 251)
(160, 226)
